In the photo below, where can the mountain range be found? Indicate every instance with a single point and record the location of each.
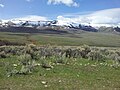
(54, 25)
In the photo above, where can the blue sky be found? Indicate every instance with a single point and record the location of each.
(96, 12)
(19, 8)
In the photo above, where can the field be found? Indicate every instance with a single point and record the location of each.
(60, 61)
(78, 75)
(71, 39)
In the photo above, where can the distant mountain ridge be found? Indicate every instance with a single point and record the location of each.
(53, 25)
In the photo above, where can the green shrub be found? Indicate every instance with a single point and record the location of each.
(3, 54)
(25, 59)
(10, 69)
(85, 50)
(114, 56)
(46, 64)
(96, 55)
(26, 69)
(26, 63)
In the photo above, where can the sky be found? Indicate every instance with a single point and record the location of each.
(82, 11)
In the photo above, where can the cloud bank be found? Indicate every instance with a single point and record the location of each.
(32, 18)
(108, 17)
(66, 2)
(28, 0)
(2, 6)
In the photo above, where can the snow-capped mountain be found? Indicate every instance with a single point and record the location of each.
(92, 21)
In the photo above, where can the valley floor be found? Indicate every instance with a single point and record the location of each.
(71, 39)
(78, 74)
(69, 74)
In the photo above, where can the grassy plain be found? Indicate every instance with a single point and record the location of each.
(73, 39)
(78, 74)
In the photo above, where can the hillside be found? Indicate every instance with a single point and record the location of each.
(31, 30)
(71, 37)
(109, 29)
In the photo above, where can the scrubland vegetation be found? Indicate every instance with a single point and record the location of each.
(37, 61)
(48, 67)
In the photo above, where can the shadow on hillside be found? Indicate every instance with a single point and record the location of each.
(31, 30)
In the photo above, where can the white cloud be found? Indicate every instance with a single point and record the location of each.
(2, 6)
(28, 0)
(108, 17)
(66, 2)
(32, 18)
